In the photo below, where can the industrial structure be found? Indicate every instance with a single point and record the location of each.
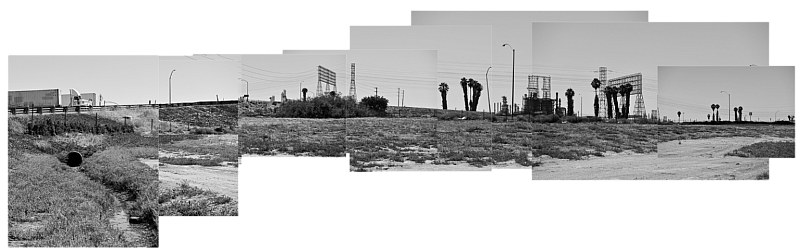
(353, 81)
(325, 76)
(531, 101)
(634, 79)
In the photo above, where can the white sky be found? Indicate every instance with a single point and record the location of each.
(269, 75)
(763, 90)
(572, 52)
(413, 71)
(121, 79)
(198, 80)
(463, 51)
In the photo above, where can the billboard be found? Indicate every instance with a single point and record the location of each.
(327, 77)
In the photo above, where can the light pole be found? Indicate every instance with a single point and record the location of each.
(488, 95)
(729, 104)
(170, 86)
(580, 113)
(247, 94)
(301, 86)
(776, 116)
(513, 61)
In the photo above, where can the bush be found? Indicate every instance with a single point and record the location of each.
(552, 118)
(375, 104)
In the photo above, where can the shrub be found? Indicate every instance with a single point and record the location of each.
(375, 104)
(552, 118)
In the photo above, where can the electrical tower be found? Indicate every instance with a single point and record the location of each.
(353, 81)
(602, 94)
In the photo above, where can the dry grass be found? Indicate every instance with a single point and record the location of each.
(780, 149)
(141, 118)
(293, 136)
(684, 132)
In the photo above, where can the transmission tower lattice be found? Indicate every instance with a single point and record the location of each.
(353, 81)
(602, 94)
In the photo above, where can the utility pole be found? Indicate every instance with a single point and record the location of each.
(403, 104)
(398, 97)
(513, 62)
(488, 95)
(170, 85)
(376, 91)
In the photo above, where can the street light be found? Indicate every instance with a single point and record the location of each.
(729, 104)
(170, 86)
(247, 94)
(776, 116)
(488, 95)
(513, 61)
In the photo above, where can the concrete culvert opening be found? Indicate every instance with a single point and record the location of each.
(74, 159)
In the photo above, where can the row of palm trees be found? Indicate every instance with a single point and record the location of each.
(613, 109)
(737, 113)
(472, 93)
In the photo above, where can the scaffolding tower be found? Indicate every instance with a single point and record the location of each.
(353, 81)
(602, 93)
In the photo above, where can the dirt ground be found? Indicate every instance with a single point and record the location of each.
(702, 159)
(220, 179)
(410, 166)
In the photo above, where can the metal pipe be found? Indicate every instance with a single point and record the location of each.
(74, 159)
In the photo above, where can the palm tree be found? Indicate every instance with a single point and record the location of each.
(476, 88)
(443, 88)
(751, 116)
(569, 93)
(614, 91)
(717, 107)
(466, 97)
(596, 84)
(735, 114)
(679, 116)
(712, 111)
(610, 111)
(305, 90)
(708, 116)
(628, 90)
(740, 113)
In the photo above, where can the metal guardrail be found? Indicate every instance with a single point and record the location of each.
(88, 109)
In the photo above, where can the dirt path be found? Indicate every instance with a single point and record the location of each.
(220, 179)
(702, 159)
(709, 148)
(428, 166)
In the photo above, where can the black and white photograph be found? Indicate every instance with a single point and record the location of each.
(618, 63)
(484, 125)
(198, 144)
(724, 122)
(293, 105)
(83, 151)
(453, 117)
(392, 127)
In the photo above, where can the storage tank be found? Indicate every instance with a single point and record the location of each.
(34, 98)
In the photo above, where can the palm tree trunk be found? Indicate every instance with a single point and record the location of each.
(444, 100)
(610, 110)
(616, 106)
